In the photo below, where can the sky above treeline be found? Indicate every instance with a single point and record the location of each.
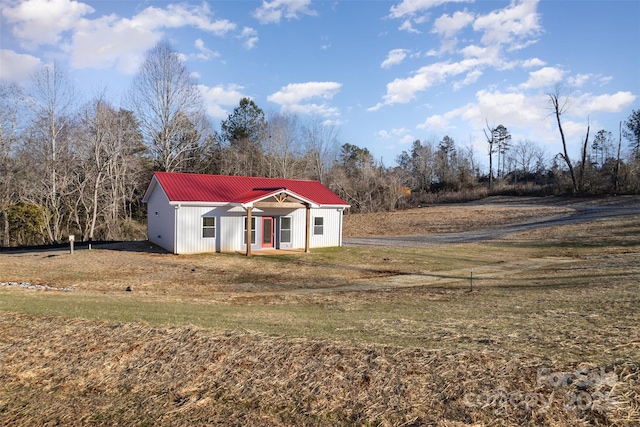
(385, 73)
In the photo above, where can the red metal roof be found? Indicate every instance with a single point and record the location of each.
(188, 187)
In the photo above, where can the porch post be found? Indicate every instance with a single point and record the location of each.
(307, 238)
(249, 209)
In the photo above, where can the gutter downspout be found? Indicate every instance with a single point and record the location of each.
(249, 209)
(175, 228)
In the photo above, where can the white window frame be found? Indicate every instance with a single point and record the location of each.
(290, 229)
(208, 227)
(318, 229)
(253, 230)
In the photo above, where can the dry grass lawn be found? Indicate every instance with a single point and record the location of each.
(446, 219)
(548, 335)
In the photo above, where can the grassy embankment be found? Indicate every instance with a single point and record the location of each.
(338, 336)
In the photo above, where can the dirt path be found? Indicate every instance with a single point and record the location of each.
(445, 277)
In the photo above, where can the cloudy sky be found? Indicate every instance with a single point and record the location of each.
(385, 72)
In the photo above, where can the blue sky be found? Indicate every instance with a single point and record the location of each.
(385, 73)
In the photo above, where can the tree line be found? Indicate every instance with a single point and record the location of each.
(74, 167)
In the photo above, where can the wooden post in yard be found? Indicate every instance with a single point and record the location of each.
(249, 209)
(72, 239)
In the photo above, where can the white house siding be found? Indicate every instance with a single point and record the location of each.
(231, 232)
(161, 220)
(298, 228)
(189, 238)
(332, 226)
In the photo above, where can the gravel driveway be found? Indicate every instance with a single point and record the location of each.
(582, 213)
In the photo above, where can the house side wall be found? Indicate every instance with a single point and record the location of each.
(161, 220)
(231, 231)
(332, 228)
(189, 238)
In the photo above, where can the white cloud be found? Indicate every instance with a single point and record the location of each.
(205, 53)
(250, 37)
(543, 77)
(509, 108)
(41, 22)
(295, 93)
(401, 91)
(408, 27)
(449, 25)
(533, 62)
(510, 26)
(183, 15)
(605, 80)
(435, 122)
(122, 42)
(501, 30)
(471, 78)
(395, 57)
(296, 98)
(399, 131)
(572, 130)
(218, 97)
(383, 134)
(412, 7)
(579, 79)
(111, 41)
(17, 67)
(272, 12)
(414, 12)
(407, 139)
(610, 103)
(401, 135)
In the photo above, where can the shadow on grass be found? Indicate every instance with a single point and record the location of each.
(138, 246)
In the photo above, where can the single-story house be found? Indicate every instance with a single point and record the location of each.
(192, 213)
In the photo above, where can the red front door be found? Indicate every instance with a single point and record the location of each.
(267, 232)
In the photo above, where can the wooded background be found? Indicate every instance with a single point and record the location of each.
(69, 165)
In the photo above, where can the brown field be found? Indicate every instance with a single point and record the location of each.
(547, 333)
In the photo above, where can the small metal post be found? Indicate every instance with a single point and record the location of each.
(471, 289)
(72, 239)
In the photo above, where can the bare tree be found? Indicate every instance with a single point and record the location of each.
(528, 157)
(584, 159)
(282, 144)
(12, 112)
(559, 105)
(420, 163)
(616, 173)
(49, 137)
(110, 142)
(490, 136)
(169, 106)
(321, 147)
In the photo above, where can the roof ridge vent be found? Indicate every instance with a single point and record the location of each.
(269, 188)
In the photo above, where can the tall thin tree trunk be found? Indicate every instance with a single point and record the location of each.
(555, 99)
(584, 159)
(616, 176)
